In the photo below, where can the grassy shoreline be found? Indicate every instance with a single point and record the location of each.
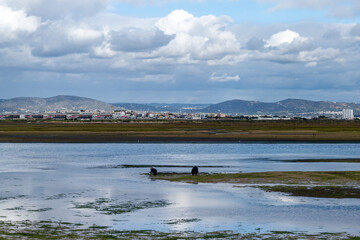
(348, 178)
(344, 160)
(215, 131)
(315, 191)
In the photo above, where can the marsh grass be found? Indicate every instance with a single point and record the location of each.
(349, 160)
(295, 177)
(217, 126)
(179, 131)
(315, 191)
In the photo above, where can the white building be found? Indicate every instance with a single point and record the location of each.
(348, 114)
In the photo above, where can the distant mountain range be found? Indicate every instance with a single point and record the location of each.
(288, 106)
(57, 103)
(162, 107)
(235, 107)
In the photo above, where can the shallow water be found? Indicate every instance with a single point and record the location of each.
(49, 181)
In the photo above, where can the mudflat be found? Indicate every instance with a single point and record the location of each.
(180, 131)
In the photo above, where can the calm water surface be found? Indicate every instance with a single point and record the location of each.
(48, 181)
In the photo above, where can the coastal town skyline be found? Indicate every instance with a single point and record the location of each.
(78, 108)
(181, 51)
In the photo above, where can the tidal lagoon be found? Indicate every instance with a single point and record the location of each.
(108, 185)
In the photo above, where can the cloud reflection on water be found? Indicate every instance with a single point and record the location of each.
(217, 206)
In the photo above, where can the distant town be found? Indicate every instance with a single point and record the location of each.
(86, 115)
(63, 107)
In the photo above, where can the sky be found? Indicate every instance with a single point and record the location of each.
(181, 51)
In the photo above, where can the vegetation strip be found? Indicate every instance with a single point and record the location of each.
(315, 191)
(180, 131)
(348, 160)
(295, 177)
(65, 230)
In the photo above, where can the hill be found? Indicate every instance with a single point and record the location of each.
(288, 106)
(234, 107)
(162, 107)
(57, 103)
(135, 106)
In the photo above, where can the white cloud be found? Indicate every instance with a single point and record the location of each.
(159, 78)
(198, 38)
(104, 50)
(284, 37)
(179, 21)
(216, 77)
(14, 22)
(83, 35)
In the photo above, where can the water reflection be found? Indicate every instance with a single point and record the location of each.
(46, 181)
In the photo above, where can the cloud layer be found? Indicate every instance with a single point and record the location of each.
(82, 48)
